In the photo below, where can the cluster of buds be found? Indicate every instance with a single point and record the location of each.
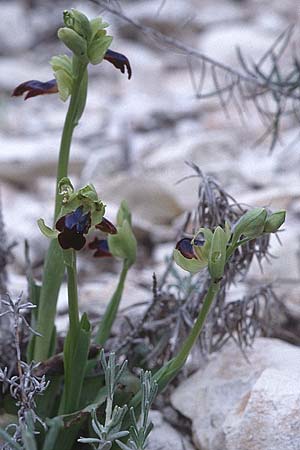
(213, 249)
(89, 44)
(81, 212)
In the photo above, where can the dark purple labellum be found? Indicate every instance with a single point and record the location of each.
(106, 226)
(72, 227)
(71, 239)
(120, 61)
(34, 88)
(101, 247)
(185, 247)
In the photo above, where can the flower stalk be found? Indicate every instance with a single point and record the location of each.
(54, 265)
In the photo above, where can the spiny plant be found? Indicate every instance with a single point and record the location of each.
(82, 404)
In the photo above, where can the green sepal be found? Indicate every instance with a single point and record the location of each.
(86, 197)
(190, 265)
(88, 192)
(62, 62)
(98, 47)
(73, 41)
(202, 252)
(64, 84)
(96, 25)
(62, 68)
(47, 231)
(217, 254)
(274, 221)
(65, 188)
(123, 244)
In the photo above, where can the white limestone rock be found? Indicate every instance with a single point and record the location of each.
(236, 405)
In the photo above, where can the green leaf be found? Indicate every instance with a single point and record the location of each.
(55, 425)
(75, 363)
(53, 273)
(47, 231)
(107, 321)
(28, 440)
(7, 438)
(97, 49)
(34, 295)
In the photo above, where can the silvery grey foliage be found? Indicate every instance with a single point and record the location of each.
(140, 430)
(24, 386)
(111, 430)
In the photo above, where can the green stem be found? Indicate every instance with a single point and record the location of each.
(232, 248)
(54, 265)
(190, 341)
(72, 296)
(108, 319)
(66, 139)
(163, 377)
(169, 371)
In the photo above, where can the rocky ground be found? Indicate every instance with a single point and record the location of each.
(132, 143)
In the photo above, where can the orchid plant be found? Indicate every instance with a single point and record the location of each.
(73, 403)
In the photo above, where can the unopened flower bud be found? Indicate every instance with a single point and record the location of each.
(250, 225)
(123, 244)
(274, 221)
(78, 22)
(73, 41)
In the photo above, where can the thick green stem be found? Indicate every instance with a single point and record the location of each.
(54, 265)
(108, 319)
